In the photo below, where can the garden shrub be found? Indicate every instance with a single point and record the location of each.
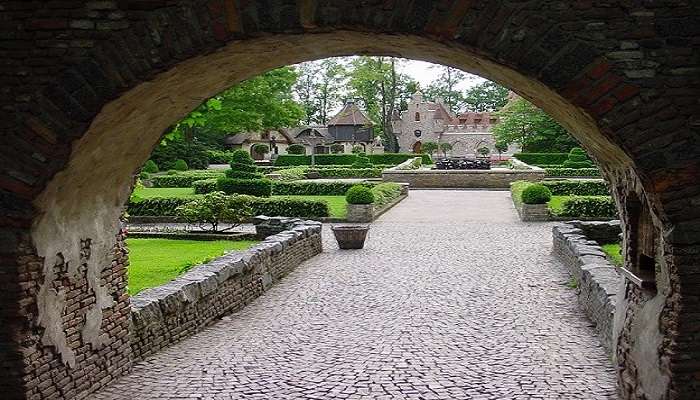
(542, 158)
(150, 166)
(577, 159)
(292, 174)
(205, 186)
(285, 207)
(214, 208)
(195, 155)
(157, 206)
(310, 188)
(589, 207)
(362, 161)
(384, 193)
(260, 148)
(357, 149)
(180, 165)
(359, 195)
(536, 194)
(219, 156)
(587, 172)
(348, 172)
(172, 172)
(578, 187)
(296, 148)
(242, 166)
(185, 179)
(253, 187)
(144, 175)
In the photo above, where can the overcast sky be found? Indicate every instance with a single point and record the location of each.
(425, 72)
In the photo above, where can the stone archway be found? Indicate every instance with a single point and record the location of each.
(84, 108)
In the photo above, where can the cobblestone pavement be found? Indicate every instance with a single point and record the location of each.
(453, 298)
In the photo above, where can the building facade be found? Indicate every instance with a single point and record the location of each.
(432, 121)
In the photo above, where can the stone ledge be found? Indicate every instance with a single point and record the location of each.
(166, 314)
(597, 279)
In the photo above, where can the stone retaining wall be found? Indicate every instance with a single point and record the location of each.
(166, 314)
(495, 178)
(576, 243)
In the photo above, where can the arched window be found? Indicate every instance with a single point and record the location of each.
(417, 116)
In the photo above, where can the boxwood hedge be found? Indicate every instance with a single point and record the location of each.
(579, 187)
(253, 187)
(572, 172)
(311, 188)
(589, 206)
(181, 179)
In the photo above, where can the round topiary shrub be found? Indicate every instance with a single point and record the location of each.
(150, 166)
(180, 165)
(577, 159)
(536, 194)
(359, 194)
(261, 149)
(296, 149)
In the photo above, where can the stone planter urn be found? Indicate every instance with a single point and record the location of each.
(360, 213)
(350, 236)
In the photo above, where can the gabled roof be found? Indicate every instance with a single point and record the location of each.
(350, 115)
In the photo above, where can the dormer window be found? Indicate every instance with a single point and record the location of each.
(417, 116)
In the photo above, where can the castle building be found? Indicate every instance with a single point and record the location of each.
(428, 121)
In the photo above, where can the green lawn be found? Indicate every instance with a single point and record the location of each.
(153, 262)
(149, 193)
(556, 204)
(612, 250)
(337, 204)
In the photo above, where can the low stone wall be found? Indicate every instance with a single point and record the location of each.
(495, 178)
(576, 243)
(178, 309)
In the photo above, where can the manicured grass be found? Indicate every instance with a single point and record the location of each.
(153, 262)
(337, 204)
(612, 250)
(556, 204)
(149, 193)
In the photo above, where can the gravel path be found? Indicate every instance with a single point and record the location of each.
(453, 298)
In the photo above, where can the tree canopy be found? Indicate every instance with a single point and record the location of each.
(486, 96)
(527, 125)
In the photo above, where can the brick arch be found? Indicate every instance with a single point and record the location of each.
(103, 80)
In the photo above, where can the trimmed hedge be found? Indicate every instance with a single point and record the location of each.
(204, 186)
(348, 172)
(572, 172)
(348, 159)
(253, 187)
(359, 195)
(578, 188)
(156, 207)
(542, 158)
(282, 207)
(166, 207)
(310, 188)
(385, 193)
(589, 206)
(292, 174)
(181, 179)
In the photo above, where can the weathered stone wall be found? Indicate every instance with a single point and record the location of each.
(597, 280)
(496, 178)
(178, 309)
(76, 345)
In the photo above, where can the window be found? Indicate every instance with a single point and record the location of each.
(417, 116)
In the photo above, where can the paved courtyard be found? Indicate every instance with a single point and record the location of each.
(453, 298)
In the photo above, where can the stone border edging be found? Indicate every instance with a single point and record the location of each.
(204, 236)
(576, 244)
(178, 309)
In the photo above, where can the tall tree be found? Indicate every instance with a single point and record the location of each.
(487, 96)
(320, 88)
(376, 82)
(534, 130)
(445, 86)
(258, 104)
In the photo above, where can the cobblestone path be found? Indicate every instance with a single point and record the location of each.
(453, 298)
